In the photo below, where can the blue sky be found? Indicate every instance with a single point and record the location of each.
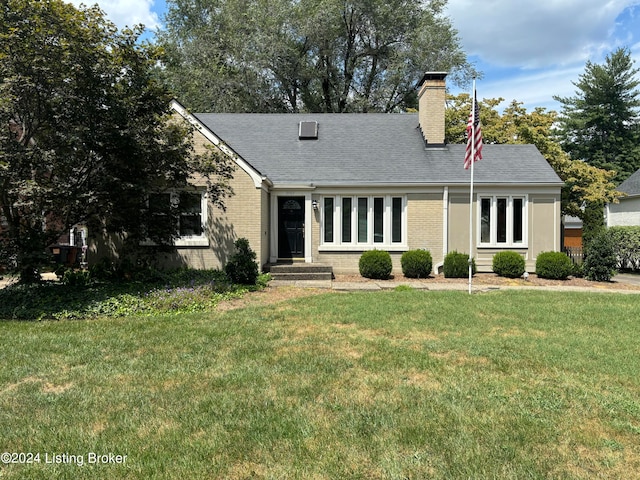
(527, 51)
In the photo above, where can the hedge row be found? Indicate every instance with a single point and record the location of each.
(626, 243)
(617, 246)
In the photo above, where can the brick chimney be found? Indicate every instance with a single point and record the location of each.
(431, 103)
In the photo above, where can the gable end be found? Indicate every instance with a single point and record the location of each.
(257, 178)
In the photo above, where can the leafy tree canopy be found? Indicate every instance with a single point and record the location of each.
(307, 55)
(601, 123)
(84, 130)
(583, 183)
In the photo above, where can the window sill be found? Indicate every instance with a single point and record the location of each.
(511, 246)
(396, 247)
(191, 242)
(181, 243)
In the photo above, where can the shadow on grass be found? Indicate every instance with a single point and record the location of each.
(185, 290)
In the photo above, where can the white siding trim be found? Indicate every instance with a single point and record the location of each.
(258, 179)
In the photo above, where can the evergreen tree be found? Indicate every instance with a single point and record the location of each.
(601, 124)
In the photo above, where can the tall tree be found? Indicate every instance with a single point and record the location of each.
(601, 123)
(583, 183)
(84, 130)
(307, 55)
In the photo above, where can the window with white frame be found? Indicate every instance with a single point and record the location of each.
(191, 210)
(503, 220)
(363, 221)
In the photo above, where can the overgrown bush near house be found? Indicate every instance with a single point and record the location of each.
(76, 278)
(601, 259)
(554, 266)
(416, 263)
(456, 265)
(375, 264)
(626, 242)
(508, 264)
(242, 267)
(103, 270)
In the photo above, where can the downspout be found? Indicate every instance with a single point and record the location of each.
(445, 227)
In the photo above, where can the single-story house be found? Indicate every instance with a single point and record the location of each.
(324, 188)
(627, 211)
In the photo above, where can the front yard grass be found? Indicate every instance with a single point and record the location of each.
(176, 291)
(399, 384)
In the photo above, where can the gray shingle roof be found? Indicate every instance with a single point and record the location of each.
(631, 186)
(360, 149)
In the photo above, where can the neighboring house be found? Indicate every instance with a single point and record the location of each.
(627, 212)
(572, 232)
(323, 188)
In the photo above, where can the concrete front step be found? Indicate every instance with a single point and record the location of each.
(300, 268)
(301, 276)
(300, 271)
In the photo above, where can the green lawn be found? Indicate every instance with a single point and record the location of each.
(401, 384)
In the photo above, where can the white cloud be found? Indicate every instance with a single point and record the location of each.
(126, 13)
(537, 34)
(534, 89)
(533, 51)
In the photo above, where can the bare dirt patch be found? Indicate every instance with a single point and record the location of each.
(269, 296)
(56, 389)
(274, 295)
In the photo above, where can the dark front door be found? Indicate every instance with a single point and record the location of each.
(290, 227)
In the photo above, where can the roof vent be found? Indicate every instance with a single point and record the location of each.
(308, 131)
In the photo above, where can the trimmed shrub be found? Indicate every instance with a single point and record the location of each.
(375, 264)
(601, 260)
(242, 267)
(416, 263)
(554, 265)
(626, 242)
(508, 264)
(456, 265)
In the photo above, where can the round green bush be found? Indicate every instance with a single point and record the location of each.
(601, 259)
(456, 265)
(508, 264)
(554, 265)
(416, 263)
(375, 264)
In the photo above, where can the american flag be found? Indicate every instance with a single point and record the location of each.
(474, 135)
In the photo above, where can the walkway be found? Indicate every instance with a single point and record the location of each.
(340, 286)
(7, 280)
(372, 285)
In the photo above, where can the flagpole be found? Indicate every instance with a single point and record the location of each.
(473, 160)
